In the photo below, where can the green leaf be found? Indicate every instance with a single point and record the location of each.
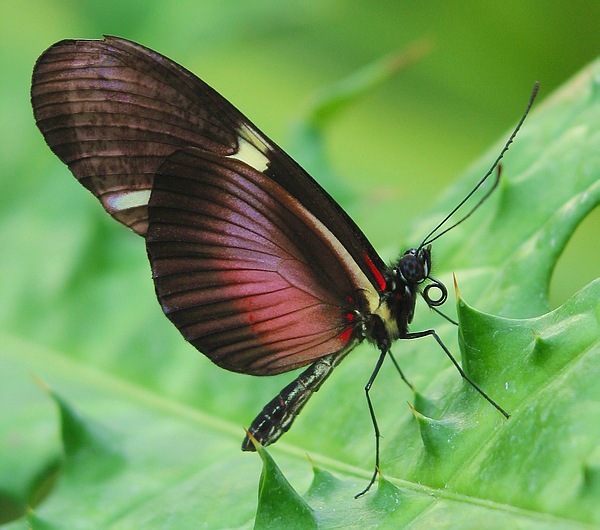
(279, 506)
(544, 457)
(88, 447)
(151, 431)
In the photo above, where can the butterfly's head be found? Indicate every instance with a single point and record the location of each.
(403, 285)
(414, 266)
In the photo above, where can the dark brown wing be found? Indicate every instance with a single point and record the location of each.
(113, 110)
(246, 273)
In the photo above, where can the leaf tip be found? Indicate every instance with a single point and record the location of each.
(540, 351)
(42, 384)
(324, 483)
(250, 443)
(89, 446)
(435, 434)
(456, 288)
(279, 505)
(388, 497)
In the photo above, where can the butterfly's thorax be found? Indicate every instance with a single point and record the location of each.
(400, 301)
(390, 319)
(387, 320)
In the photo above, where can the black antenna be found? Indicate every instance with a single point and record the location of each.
(430, 237)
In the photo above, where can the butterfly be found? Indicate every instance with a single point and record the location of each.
(252, 260)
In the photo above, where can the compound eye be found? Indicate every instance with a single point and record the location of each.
(411, 268)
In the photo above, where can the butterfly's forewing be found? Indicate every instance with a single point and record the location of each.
(245, 271)
(113, 111)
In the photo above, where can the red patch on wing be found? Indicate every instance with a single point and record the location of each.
(376, 272)
(346, 335)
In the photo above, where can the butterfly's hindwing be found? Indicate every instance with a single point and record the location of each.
(245, 272)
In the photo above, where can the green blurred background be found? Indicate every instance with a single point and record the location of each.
(65, 263)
